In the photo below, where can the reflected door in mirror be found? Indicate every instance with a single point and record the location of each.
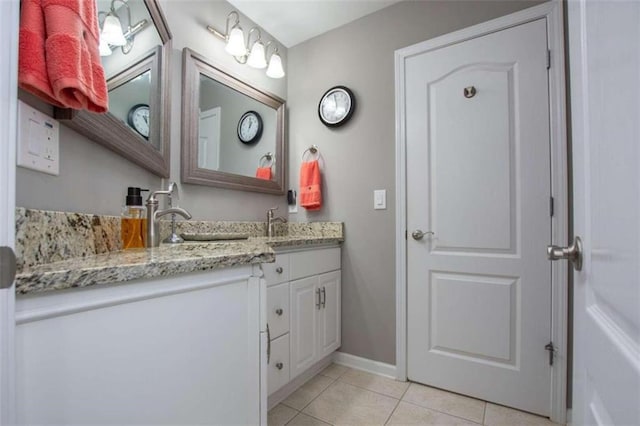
(209, 139)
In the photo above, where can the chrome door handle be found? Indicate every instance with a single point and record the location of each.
(324, 296)
(573, 253)
(419, 234)
(317, 298)
(268, 344)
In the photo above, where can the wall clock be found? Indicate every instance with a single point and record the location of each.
(250, 127)
(138, 119)
(336, 106)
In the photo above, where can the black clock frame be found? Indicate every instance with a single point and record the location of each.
(258, 135)
(132, 110)
(349, 113)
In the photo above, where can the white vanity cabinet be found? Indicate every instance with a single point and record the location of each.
(303, 311)
(185, 349)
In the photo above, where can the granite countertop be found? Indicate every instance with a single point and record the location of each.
(61, 250)
(168, 259)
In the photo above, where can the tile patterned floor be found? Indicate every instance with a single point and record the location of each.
(342, 396)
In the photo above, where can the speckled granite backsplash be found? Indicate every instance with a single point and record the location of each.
(47, 236)
(44, 237)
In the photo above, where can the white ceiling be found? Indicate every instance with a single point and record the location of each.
(294, 21)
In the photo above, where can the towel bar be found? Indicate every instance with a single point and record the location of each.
(313, 149)
(270, 160)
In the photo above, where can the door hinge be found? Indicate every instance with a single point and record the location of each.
(552, 351)
(7, 267)
(548, 58)
(551, 206)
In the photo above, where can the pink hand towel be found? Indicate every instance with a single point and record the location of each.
(263, 173)
(310, 190)
(59, 59)
(32, 64)
(73, 58)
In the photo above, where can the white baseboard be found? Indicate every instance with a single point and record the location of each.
(364, 364)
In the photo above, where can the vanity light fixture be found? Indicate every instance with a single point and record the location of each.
(275, 69)
(256, 54)
(256, 58)
(111, 34)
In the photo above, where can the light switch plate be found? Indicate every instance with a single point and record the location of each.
(38, 140)
(380, 199)
(293, 208)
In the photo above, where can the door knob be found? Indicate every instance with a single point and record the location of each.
(573, 253)
(419, 234)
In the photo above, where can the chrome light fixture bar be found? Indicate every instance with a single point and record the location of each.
(111, 34)
(253, 53)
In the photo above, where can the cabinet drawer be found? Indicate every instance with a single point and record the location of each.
(278, 309)
(278, 367)
(277, 272)
(313, 262)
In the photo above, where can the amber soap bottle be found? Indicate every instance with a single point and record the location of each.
(134, 220)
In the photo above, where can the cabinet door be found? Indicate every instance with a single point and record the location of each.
(304, 324)
(330, 313)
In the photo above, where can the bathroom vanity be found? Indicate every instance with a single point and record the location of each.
(190, 333)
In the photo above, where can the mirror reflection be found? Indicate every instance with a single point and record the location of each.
(232, 132)
(127, 36)
(235, 131)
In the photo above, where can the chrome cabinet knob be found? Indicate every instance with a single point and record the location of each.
(573, 253)
(279, 311)
(279, 269)
(418, 234)
(279, 366)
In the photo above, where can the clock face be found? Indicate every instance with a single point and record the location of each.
(336, 106)
(139, 119)
(250, 127)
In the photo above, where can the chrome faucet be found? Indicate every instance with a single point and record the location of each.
(272, 220)
(153, 214)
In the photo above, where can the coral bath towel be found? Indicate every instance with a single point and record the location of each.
(310, 191)
(263, 173)
(59, 57)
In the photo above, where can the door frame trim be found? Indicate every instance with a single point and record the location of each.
(9, 19)
(553, 13)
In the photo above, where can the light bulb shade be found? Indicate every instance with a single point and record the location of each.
(105, 50)
(256, 57)
(275, 69)
(235, 45)
(112, 31)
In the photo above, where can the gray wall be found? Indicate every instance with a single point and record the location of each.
(360, 156)
(94, 180)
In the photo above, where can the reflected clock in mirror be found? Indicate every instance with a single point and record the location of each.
(138, 118)
(228, 127)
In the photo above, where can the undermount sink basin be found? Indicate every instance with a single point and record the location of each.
(214, 236)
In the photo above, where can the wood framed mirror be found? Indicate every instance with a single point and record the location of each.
(230, 129)
(136, 76)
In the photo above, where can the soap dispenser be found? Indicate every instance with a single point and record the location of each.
(134, 220)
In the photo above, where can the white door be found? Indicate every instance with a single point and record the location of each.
(209, 139)
(330, 313)
(604, 46)
(478, 177)
(8, 110)
(305, 310)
